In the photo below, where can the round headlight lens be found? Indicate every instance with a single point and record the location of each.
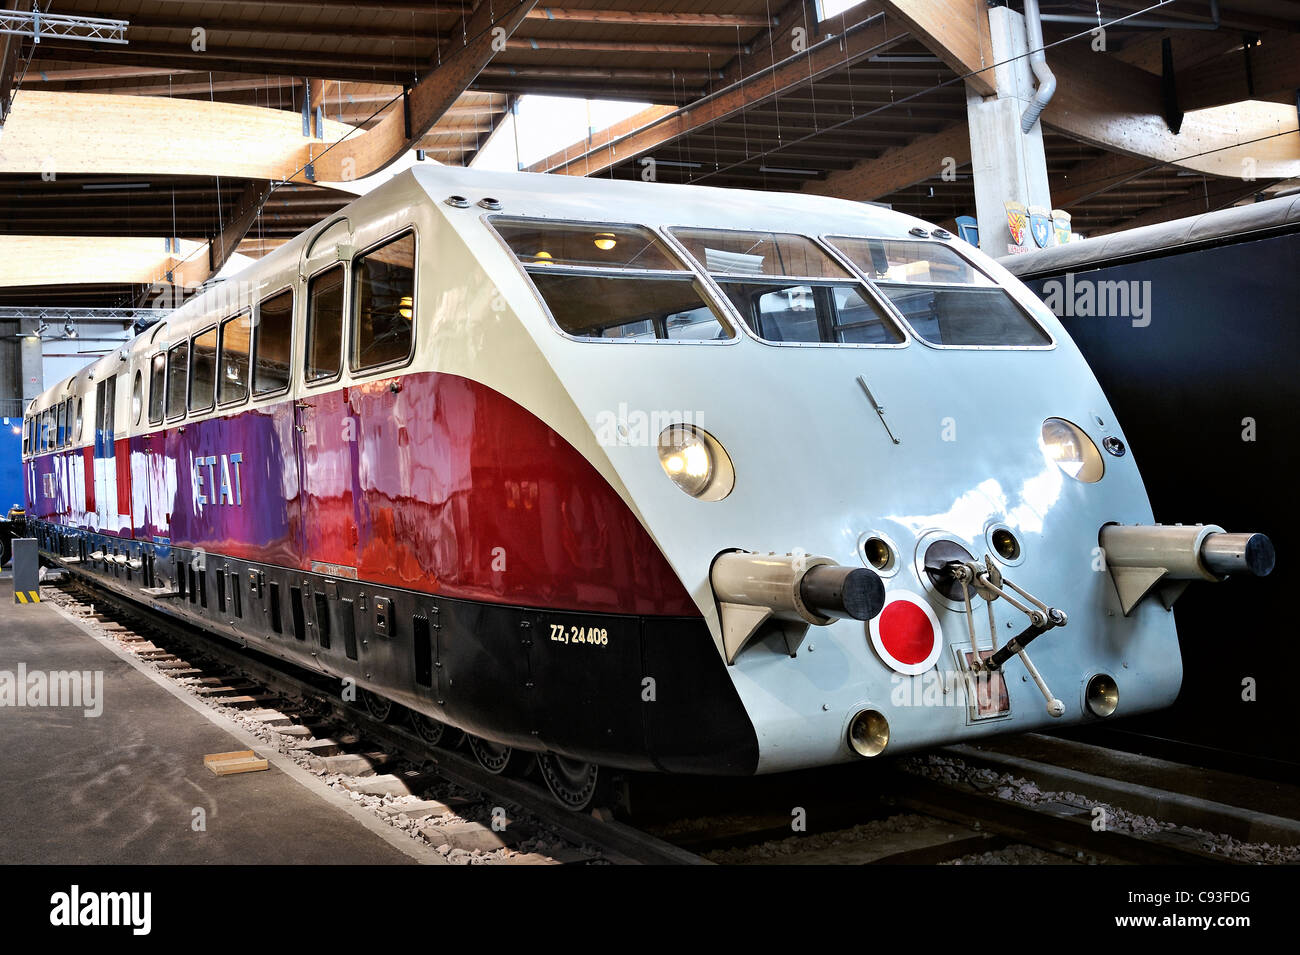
(696, 462)
(1072, 450)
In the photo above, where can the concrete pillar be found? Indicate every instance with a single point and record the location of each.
(33, 362)
(1006, 164)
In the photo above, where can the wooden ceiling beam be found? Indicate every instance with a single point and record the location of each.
(956, 31)
(1259, 72)
(286, 62)
(1218, 194)
(1190, 47)
(611, 74)
(71, 134)
(761, 87)
(198, 268)
(422, 36)
(1118, 107)
(518, 86)
(10, 49)
(40, 260)
(181, 60)
(1096, 176)
(1191, 12)
(646, 18)
(465, 57)
(919, 161)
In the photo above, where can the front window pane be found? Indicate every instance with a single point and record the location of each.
(789, 289)
(203, 370)
(177, 368)
(905, 262)
(608, 306)
(232, 370)
(274, 336)
(384, 293)
(325, 324)
(970, 316)
(603, 281)
(595, 245)
(944, 297)
(726, 253)
(157, 380)
(781, 312)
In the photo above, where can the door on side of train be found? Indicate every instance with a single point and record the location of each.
(324, 524)
(159, 483)
(105, 456)
(323, 427)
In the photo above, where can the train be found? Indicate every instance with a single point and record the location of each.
(611, 476)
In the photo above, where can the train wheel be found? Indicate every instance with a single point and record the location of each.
(378, 707)
(434, 732)
(574, 783)
(496, 758)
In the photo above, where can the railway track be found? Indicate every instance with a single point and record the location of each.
(944, 808)
(431, 793)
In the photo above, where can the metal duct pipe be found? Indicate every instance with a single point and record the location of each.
(1038, 63)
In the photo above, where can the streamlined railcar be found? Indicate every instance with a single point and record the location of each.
(633, 476)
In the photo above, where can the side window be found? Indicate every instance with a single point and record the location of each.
(605, 281)
(108, 413)
(81, 408)
(137, 398)
(273, 344)
(788, 289)
(178, 359)
(61, 425)
(98, 437)
(944, 297)
(203, 370)
(383, 297)
(232, 369)
(325, 324)
(157, 388)
(27, 435)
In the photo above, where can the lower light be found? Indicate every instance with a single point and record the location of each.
(1101, 695)
(696, 462)
(1072, 450)
(869, 733)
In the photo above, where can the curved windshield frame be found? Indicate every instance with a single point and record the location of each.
(944, 298)
(612, 282)
(789, 290)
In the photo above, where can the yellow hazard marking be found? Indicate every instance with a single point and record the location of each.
(27, 597)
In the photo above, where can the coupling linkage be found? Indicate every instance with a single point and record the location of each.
(987, 581)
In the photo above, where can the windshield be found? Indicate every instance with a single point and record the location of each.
(604, 281)
(787, 289)
(945, 299)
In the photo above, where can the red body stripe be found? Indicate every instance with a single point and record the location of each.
(88, 458)
(122, 459)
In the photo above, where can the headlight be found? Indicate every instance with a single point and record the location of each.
(1072, 450)
(696, 462)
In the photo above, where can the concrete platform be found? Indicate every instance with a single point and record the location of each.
(123, 786)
